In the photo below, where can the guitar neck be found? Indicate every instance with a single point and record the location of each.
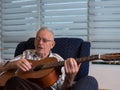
(87, 59)
(61, 63)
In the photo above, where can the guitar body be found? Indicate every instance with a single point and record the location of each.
(4, 77)
(44, 77)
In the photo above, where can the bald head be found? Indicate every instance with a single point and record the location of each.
(48, 32)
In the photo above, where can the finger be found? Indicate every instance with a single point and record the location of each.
(24, 65)
(27, 64)
(67, 66)
(75, 64)
(71, 66)
(22, 68)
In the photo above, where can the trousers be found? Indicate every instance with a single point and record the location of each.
(16, 83)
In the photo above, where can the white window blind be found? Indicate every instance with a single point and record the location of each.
(97, 21)
(67, 18)
(19, 20)
(104, 26)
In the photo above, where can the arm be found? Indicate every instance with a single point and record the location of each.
(18, 62)
(22, 64)
(71, 69)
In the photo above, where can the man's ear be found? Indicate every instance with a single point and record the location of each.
(53, 44)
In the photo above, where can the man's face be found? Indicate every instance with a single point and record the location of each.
(44, 42)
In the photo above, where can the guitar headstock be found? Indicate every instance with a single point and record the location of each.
(110, 57)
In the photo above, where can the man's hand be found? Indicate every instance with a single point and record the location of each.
(71, 69)
(24, 64)
(21, 64)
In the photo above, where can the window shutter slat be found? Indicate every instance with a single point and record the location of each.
(104, 23)
(19, 22)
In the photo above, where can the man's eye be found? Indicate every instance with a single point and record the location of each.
(44, 40)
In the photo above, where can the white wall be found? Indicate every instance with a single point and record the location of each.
(108, 76)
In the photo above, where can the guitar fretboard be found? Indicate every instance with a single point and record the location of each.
(61, 63)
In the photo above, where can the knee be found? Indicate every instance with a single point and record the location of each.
(12, 83)
(86, 83)
(92, 83)
(90, 80)
(93, 80)
(12, 80)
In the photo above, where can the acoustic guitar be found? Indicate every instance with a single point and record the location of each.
(43, 72)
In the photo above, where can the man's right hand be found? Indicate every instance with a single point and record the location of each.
(24, 64)
(21, 64)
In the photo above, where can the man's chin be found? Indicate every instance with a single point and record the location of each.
(40, 52)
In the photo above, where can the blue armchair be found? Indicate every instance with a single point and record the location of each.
(65, 47)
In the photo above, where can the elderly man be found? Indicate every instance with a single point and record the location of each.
(44, 42)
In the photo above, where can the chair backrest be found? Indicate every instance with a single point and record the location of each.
(65, 47)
